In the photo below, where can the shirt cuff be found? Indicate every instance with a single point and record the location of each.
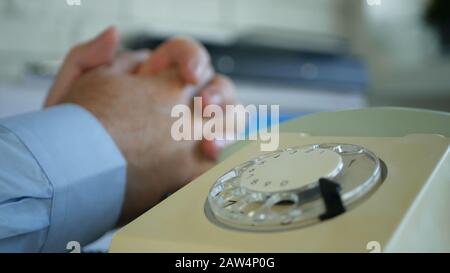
(84, 166)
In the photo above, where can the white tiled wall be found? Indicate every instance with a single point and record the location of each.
(36, 30)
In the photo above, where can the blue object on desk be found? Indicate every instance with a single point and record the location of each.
(262, 125)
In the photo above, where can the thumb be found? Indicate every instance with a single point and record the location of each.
(81, 58)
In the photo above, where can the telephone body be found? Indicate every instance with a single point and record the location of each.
(314, 194)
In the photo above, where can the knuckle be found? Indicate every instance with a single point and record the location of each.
(224, 81)
(75, 51)
(191, 44)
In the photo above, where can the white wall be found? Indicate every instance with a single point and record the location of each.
(42, 30)
(403, 54)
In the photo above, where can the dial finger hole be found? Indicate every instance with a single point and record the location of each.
(251, 203)
(228, 176)
(283, 206)
(282, 202)
(230, 196)
(251, 208)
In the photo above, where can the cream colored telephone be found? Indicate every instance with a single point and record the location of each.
(315, 194)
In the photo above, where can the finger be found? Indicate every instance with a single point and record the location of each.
(196, 90)
(128, 62)
(219, 91)
(189, 56)
(82, 58)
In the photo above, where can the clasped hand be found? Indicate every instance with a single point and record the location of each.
(131, 94)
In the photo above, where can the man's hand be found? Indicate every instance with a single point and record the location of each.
(81, 59)
(193, 64)
(188, 56)
(132, 96)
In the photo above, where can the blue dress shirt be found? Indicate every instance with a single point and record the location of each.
(62, 179)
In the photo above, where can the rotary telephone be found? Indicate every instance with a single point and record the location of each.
(314, 194)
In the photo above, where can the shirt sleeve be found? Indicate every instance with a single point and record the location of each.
(62, 179)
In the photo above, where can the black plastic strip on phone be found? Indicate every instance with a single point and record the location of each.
(332, 199)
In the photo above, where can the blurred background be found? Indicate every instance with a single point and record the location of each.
(305, 55)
